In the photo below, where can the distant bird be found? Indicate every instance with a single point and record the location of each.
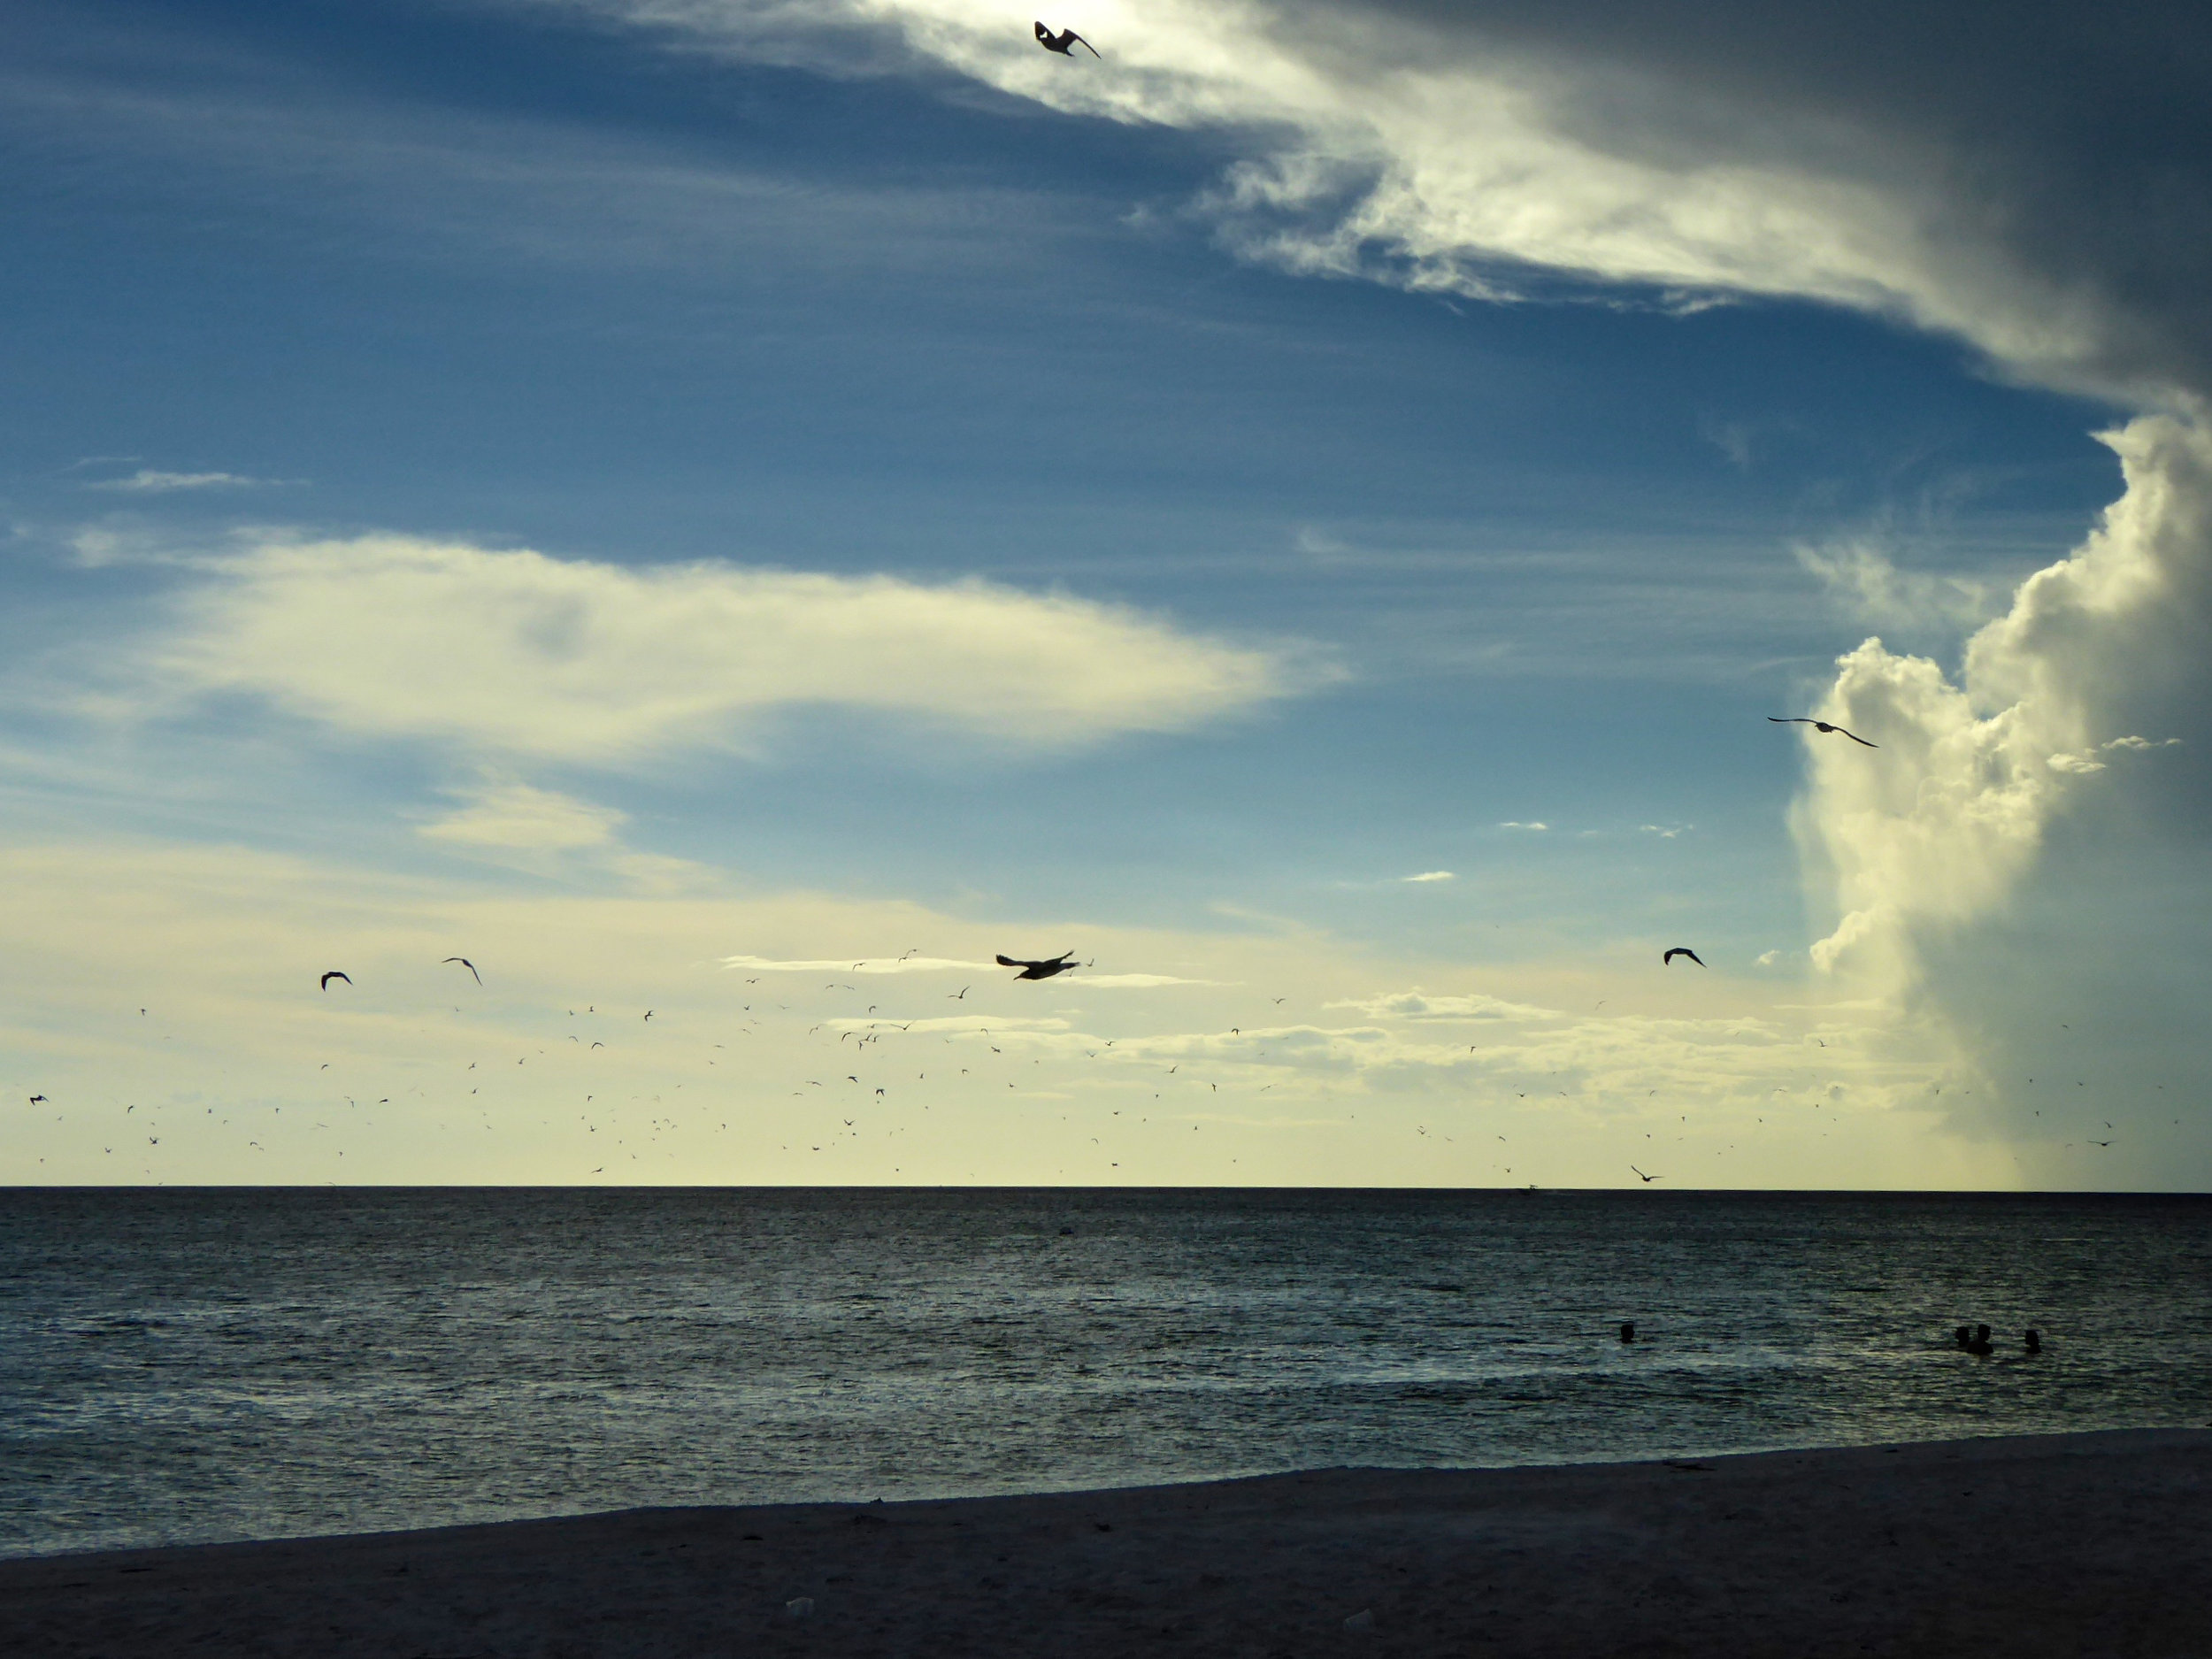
(1063, 42)
(334, 974)
(1667, 961)
(649, 1013)
(961, 996)
(1060, 964)
(1647, 1179)
(1817, 725)
(39, 1099)
(471, 966)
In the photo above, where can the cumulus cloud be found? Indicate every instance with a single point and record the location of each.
(1937, 833)
(517, 654)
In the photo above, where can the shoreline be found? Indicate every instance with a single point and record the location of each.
(2058, 1544)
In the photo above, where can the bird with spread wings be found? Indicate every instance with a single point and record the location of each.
(1063, 42)
(1817, 725)
(1044, 969)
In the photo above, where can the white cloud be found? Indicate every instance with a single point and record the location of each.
(1430, 875)
(514, 653)
(1934, 829)
(1137, 981)
(1866, 586)
(1514, 824)
(1446, 151)
(1416, 1005)
(515, 815)
(146, 481)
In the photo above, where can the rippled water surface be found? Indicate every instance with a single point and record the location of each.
(193, 1365)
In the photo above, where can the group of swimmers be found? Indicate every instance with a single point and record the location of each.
(1973, 1338)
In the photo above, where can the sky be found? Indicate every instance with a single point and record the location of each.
(745, 512)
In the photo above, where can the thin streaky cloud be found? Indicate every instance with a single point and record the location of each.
(1430, 875)
(851, 964)
(151, 482)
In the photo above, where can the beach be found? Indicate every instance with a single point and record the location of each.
(2094, 1543)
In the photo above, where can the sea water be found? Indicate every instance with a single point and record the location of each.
(193, 1365)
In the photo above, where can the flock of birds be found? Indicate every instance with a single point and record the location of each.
(644, 1121)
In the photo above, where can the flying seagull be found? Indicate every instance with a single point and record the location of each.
(1060, 964)
(334, 974)
(1063, 41)
(1667, 961)
(1817, 725)
(471, 966)
(1647, 1179)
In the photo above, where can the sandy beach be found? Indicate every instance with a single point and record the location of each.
(2071, 1545)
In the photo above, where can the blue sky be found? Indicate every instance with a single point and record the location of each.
(317, 317)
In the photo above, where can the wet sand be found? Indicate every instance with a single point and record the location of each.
(2058, 1545)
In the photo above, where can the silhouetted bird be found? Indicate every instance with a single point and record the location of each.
(1817, 725)
(1667, 961)
(1062, 41)
(334, 974)
(1647, 1179)
(1060, 964)
(471, 966)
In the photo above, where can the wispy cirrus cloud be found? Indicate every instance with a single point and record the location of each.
(1419, 1005)
(915, 963)
(148, 481)
(516, 814)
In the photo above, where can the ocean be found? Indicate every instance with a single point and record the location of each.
(192, 1365)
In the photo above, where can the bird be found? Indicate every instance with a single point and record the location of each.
(961, 995)
(1667, 961)
(471, 966)
(1063, 41)
(1648, 1180)
(39, 1099)
(1060, 964)
(334, 974)
(1817, 725)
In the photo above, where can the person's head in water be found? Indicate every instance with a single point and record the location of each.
(1628, 1330)
(1963, 1336)
(2034, 1340)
